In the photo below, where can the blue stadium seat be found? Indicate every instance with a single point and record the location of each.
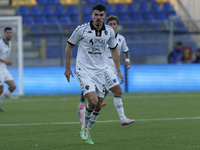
(110, 10)
(167, 7)
(53, 51)
(155, 7)
(149, 37)
(137, 17)
(138, 0)
(74, 18)
(87, 18)
(47, 10)
(149, 0)
(137, 38)
(161, 16)
(72, 10)
(60, 10)
(52, 19)
(41, 20)
(86, 10)
(149, 17)
(46, 28)
(120, 9)
(156, 26)
(28, 20)
(125, 18)
(34, 29)
(42, 2)
(54, 2)
(65, 19)
(132, 8)
(35, 10)
(144, 7)
(92, 2)
(53, 41)
(23, 10)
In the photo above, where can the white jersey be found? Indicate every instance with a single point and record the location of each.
(4, 53)
(122, 47)
(91, 47)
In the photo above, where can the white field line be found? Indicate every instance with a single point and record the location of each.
(107, 121)
(110, 96)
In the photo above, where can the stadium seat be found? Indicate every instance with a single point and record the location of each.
(155, 7)
(132, 8)
(91, 2)
(28, 20)
(52, 19)
(161, 16)
(149, 37)
(65, 19)
(87, 18)
(138, 0)
(110, 10)
(42, 2)
(53, 41)
(144, 7)
(23, 2)
(120, 9)
(34, 29)
(167, 7)
(54, 2)
(125, 18)
(72, 10)
(137, 38)
(41, 20)
(23, 10)
(60, 10)
(137, 17)
(68, 2)
(35, 10)
(74, 18)
(53, 51)
(86, 10)
(47, 10)
(149, 17)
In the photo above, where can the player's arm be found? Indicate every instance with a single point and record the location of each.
(7, 62)
(127, 60)
(115, 56)
(68, 54)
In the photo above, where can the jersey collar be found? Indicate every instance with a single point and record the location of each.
(98, 32)
(5, 42)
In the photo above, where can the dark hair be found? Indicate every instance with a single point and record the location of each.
(7, 28)
(179, 43)
(99, 7)
(110, 18)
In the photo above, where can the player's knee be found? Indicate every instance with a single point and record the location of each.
(118, 92)
(92, 104)
(12, 88)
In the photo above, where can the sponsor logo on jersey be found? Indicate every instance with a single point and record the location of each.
(106, 32)
(87, 87)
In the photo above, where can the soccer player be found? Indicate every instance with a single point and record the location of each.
(112, 82)
(5, 76)
(92, 39)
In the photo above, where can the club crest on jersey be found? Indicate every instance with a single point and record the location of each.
(119, 40)
(106, 32)
(114, 80)
(87, 87)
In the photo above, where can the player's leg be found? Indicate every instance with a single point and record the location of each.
(81, 103)
(113, 85)
(117, 91)
(8, 91)
(1, 91)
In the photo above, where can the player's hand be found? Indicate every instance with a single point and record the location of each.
(128, 64)
(8, 62)
(120, 75)
(67, 73)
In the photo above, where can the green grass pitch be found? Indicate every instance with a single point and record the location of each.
(164, 121)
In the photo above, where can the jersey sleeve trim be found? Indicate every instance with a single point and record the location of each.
(70, 43)
(113, 47)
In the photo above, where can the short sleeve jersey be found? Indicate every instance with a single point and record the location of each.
(122, 47)
(4, 52)
(92, 44)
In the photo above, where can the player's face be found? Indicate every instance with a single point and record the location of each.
(98, 17)
(8, 34)
(113, 24)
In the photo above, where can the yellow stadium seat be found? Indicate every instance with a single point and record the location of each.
(69, 2)
(162, 1)
(23, 2)
(119, 1)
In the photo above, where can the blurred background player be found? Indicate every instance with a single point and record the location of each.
(176, 55)
(5, 76)
(196, 56)
(92, 39)
(111, 80)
